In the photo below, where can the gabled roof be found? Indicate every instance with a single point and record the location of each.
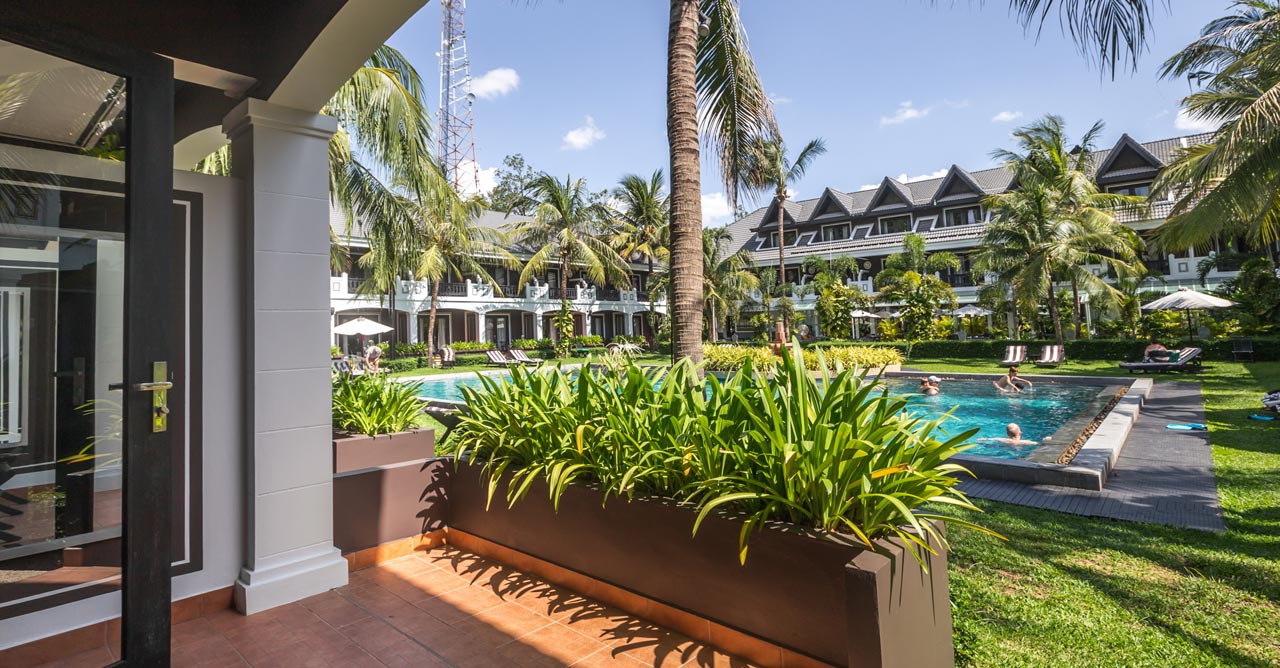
(791, 213)
(957, 185)
(830, 202)
(1128, 156)
(890, 190)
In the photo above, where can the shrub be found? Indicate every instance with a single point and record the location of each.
(533, 344)
(850, 357)
(400, 364)
(411, 349)
(459, 346)
(335, 351)
(637, 339)
(734, 357)
(728, 358)
(374, 404)
(587, 340)
(835, 454)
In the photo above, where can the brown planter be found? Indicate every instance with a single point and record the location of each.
(386, 488)
(807, 592)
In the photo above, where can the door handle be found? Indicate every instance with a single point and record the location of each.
(159, 387)
(153, 386)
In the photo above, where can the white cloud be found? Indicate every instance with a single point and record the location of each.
(469, 173)
(583, 136)
(779, 99)
(715, 210)
(1006, 117)
(1187, 123)
(495, 83)
(907, 178)
(906, 111)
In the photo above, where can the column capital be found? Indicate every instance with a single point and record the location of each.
(252, 112)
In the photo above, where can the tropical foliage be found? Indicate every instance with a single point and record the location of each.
(833, 453)
(640, 228)
(908, 280)
(374, 404)
(726, 279)
(727, 358)
(1055, 222)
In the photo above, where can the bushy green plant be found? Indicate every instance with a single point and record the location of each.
(727, 358)
(834, 453)
(623, 338)
(460, 346)
(399, 365)
(374, 404)
(533, 344)
(335, 351)
(586, 340)
(850, 356)
(410, 349)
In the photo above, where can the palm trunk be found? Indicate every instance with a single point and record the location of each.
(395, 321)
(652, 337)
(1075, 312)
(431, 317)
(1055, 314)
(686, 182)
(782, 256)
(715, 329)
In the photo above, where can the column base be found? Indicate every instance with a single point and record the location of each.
(289, 577)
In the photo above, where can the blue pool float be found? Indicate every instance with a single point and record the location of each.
(1191, 426)
(1267, 418)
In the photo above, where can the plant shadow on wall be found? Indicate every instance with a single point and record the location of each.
(831, 451)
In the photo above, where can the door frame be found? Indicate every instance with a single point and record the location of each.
(152, 281)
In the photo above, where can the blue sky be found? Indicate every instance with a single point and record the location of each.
(895, 87)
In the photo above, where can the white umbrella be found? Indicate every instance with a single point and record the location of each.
(361, 326)
(1186, 299)
(857, 315)
(970, 310)
(889, 314)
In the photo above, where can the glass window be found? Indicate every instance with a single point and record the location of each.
(895, 224)
(772, 241)
(1133, 189)
(965, 216)
(835, 232)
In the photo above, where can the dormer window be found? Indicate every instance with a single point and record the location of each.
(772, 240)
(1131, 189)
(895, 224)
(835, 232)
(968, 215)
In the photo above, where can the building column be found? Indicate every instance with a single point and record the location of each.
(480, 331)
(413, 328)
(281, 156)
(629, 323)
(537, 325)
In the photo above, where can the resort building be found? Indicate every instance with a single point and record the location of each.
(470, 309)
(947, 212)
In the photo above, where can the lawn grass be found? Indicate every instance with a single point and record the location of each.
(1066, 590)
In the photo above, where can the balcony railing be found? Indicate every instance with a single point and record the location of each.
(609, 294)
(960, 280)
(353, 283)
(453, 289)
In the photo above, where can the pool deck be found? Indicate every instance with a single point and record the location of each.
(1161, 477)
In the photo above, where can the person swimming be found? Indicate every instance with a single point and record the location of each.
(1014, 437)
(1008, 383)
(929, 386)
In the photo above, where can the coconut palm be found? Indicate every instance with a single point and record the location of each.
(726, 278)
(452, 246)
(913, 258)
(641, 223)
(567, 228)
(1056, 221)
(1231, 185)
(768, 168)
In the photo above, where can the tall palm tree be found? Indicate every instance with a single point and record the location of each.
(768, 168)
(641, 224)
(909, 278)
(914, 258)
(1056, 221)
(1231, 185)
(452, 246)
(567, 228)
(726, 277)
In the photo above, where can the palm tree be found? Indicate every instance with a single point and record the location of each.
(1056, 221)
(452, 245)
(768, 168)
(567, 228)
(1231, 185)
(913, 258)
(909, 278)
(726, 277)
(641, 225)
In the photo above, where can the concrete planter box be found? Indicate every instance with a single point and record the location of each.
(386, 488)
(806, 592)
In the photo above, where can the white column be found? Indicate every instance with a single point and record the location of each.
(413, 327)
(629, 325)
(281, 156)
(537, 324)
(480, 333)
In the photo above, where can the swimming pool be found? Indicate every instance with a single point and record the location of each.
(1040, 412)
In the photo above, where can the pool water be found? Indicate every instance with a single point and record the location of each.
(1040, 412)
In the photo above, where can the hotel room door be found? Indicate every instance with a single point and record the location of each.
(90, 278)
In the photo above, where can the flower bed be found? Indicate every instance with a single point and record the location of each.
(729, 358)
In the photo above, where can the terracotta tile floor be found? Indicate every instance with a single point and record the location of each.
(438, 609)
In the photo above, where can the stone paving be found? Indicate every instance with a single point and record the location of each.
(1163, 476)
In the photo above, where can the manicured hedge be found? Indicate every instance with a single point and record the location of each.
(1265, 348)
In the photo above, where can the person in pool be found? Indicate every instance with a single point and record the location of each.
(1009, 383)
(1014, 436)
(929, 386)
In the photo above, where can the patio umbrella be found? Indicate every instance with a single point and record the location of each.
(361, 326)
(970, 311)
(1186, 299)
(858, 315)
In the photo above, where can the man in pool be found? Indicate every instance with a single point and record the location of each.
(929, 386)
(1009, 383)
(1014, 436)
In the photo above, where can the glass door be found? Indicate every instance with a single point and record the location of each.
(86, 299)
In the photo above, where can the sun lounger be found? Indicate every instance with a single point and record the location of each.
(1187, 359)
(1014, 355)
(523, 358)
(498, 359)
(1052, 356)
(447, 357)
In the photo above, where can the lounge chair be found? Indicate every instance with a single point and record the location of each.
(340, 367)
(498, 359)
(1014, 355)
(447, 357)
(1241, 349)
(1187, 359)
(1051, 356)
(523, 358)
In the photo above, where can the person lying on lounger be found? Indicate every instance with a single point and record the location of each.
(1010, 382)
(1014, 436)
(1155, 351)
